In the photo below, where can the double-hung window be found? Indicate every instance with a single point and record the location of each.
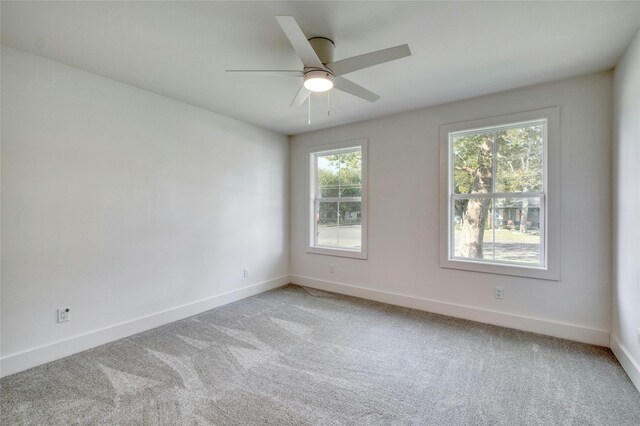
(501, 195)
(337, 217)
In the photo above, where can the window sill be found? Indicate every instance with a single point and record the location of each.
(536, 272)
(337, 252)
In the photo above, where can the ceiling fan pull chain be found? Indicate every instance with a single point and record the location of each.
(309, 113)
(328, 107)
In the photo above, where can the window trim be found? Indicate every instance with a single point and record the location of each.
(550, 199)
(310, 199)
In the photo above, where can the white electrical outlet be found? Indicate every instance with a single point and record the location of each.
(332, 268)
(245, 271)
(64, 314)
(498, 292)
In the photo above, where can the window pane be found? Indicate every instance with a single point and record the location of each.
(339, 174)
(339, 224)
(350, 231)
(517, 230)
(327, 178)
(327, 224)
(519, 159)
(473, 163)
(350, 165)
(472, 234)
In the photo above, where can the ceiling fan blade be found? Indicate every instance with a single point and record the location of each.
(356, 63)
(350, 87)
(271, 73)
(301, 96)
(299, 42)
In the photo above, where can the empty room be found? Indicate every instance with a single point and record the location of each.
(320, 213)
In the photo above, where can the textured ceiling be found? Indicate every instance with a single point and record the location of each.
(460, 50)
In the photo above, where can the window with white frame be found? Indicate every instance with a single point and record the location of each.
(497, 195)
(337, 204)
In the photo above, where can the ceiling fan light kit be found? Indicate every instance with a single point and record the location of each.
(318, 81)
(320, 72)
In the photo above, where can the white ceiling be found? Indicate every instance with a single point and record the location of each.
(460, 49)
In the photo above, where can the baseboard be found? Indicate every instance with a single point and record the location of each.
(631, 367)
(519, 322)
(14, 363)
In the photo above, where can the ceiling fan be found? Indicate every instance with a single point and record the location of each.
(321, 73)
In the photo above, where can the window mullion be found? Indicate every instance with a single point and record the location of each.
(494, 175)
(494, 163)
(338, 217)
(497, 195)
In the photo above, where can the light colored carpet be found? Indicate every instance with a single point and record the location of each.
(297, 356)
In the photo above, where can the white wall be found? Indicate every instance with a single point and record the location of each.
(403, 216)
(125, 205)
(626, 183)
(116, 200)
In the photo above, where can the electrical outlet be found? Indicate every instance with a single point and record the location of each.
(332, 268)
(498, 292)
(245, 271)
(64, 314)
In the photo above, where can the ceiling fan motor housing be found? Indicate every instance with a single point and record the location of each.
(323, 48)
